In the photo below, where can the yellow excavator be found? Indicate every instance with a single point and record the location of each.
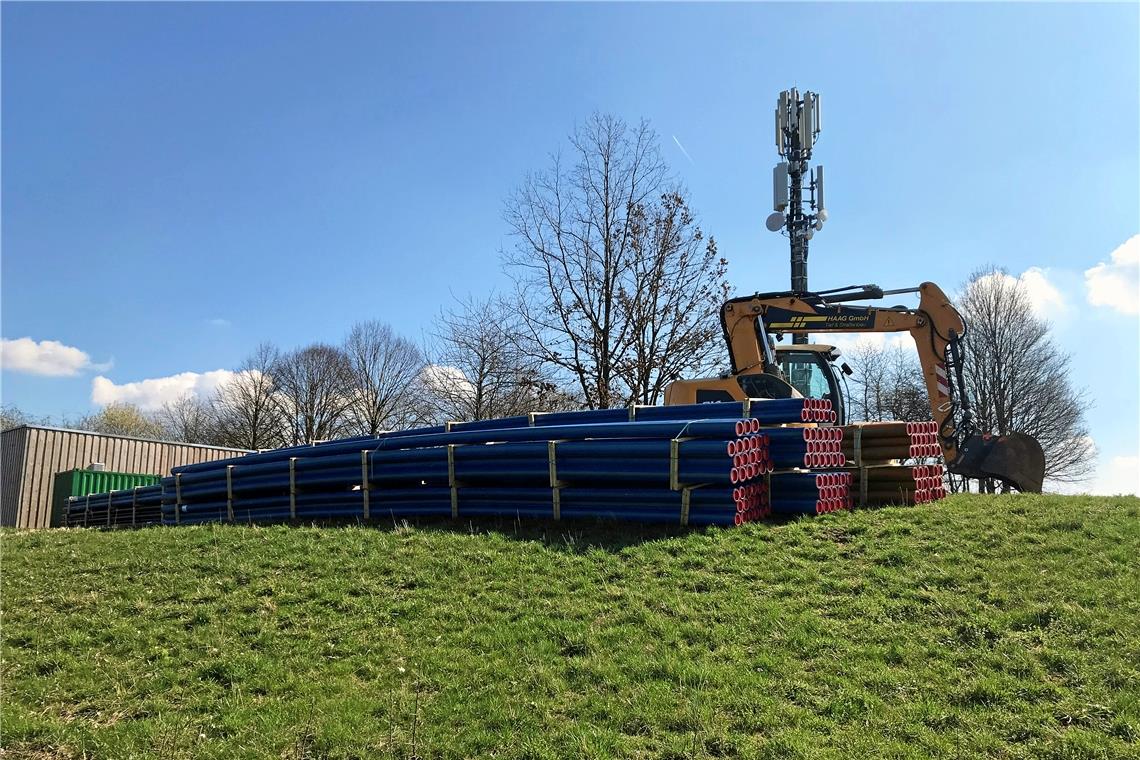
(762, 369)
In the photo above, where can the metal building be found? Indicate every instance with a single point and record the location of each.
(31, 455)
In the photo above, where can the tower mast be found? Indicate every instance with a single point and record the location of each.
(797, 127)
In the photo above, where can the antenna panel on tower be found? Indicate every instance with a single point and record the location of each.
(780, 186)
(819, 188)
(807, 132)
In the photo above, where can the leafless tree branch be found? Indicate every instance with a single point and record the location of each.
(616, 285)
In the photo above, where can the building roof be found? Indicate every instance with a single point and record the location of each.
(127, 438)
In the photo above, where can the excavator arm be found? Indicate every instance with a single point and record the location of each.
(937, 329)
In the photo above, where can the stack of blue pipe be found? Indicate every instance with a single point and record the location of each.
(802, 477)
(810, 493)
(134, 507)
(607, 466)
(633, 470)
(644, 464)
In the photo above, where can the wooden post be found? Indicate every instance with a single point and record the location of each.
(292, 488)
(230, 492)
(365, 477)
(177, 498)
(555, 482)
(675, 483)
(451, 480)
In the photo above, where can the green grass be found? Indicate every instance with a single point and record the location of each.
(982, 626)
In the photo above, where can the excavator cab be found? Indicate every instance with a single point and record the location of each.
(810, 369)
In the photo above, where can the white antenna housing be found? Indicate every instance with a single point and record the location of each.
(780, 186)
(807, 124)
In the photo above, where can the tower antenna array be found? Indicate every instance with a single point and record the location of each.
(797, 128)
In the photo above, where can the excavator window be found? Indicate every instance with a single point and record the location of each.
(811, 374)
(806, 373)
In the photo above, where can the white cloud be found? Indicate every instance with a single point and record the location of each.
(1117, 284)
(848, 342)
(1043, 295)
(218, 322)
(1113, 475)
(152, 393)
(1118, 475)
(447, 380)
(44, 357)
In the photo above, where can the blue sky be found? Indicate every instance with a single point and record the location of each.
(182, 181)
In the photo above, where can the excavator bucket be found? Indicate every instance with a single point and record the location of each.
(1016, 459)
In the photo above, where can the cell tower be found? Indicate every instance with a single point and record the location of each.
(797, 127)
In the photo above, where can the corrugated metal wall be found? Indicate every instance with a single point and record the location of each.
(31, 457)
(12, 446)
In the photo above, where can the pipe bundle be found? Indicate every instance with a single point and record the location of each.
(752, 502)
(898, 484)
(929, 482)
(137, 506)
(818, 410)
(879, 442)
(751, 456)
(810, 493)
(807, 447)
(722, 463)
(873, 448)
(664, 467)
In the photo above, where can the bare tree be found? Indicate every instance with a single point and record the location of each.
(246, 412)
(870, 382)
(188, 419)
(887, 383)
(614, 278)
(121, 418)
(478, 370)
(907, 398)
(1018, 380)
(314, 387)
(671, 301)
(384, 372)
(13, 416)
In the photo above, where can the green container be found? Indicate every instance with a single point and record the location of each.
(82, 482)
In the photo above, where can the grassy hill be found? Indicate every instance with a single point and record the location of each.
(981, 626)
